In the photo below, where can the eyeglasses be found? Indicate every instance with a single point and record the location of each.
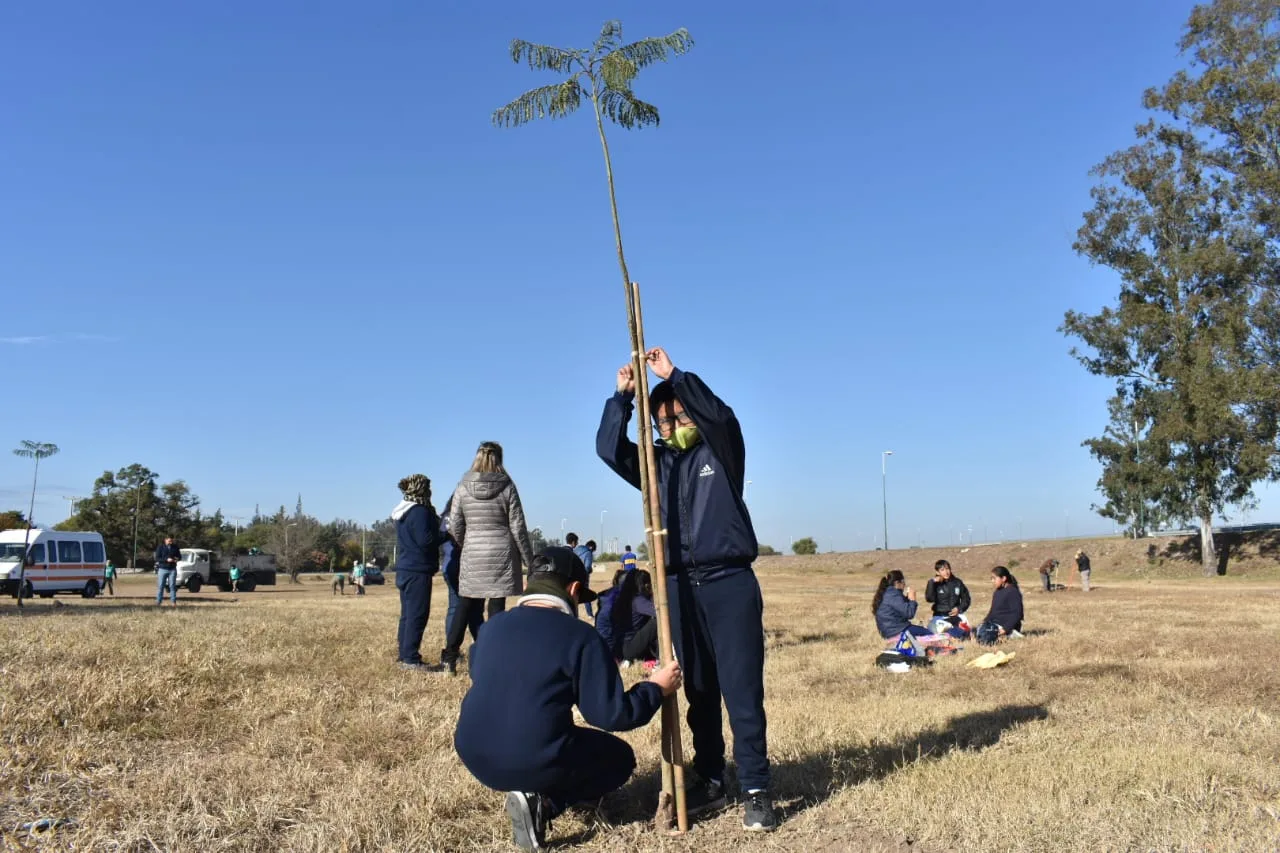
(680, 419)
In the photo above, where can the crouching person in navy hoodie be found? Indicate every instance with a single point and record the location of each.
(529, 667)
(717, 614)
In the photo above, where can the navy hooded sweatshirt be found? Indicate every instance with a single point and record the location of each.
(1006, 608)
(894, 613)
(709, 532)
(418, 538)
(616, 636)
(529, 667)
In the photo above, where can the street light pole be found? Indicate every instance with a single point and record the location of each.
(603, 513)
(137, 508)
(884, 493)
(287, 563)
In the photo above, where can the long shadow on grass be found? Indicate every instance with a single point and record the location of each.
(813, 779)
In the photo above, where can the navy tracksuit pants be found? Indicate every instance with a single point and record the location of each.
(718, 630)
(592, 764)
(415, 607)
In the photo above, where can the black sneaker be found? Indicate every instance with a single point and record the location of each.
(528, 820)
(422, 666)
(704, 795)
(757, 812)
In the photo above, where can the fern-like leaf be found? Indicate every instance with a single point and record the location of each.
(541, 57)
(618, 71)
(610, 35)
(648, 51)
(626, 110)
(555, 101)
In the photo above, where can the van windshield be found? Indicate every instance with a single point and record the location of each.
(12, 551)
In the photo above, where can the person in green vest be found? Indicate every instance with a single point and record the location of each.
(235, 578)
(109, 575)
(340, 583)
(357, 575)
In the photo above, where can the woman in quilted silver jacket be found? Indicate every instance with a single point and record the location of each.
(487, 521)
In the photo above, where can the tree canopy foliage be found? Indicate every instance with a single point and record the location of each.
(1188, 217)
(130, 497)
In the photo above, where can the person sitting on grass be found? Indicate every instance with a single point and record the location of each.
(895, 606)
(529, 667)
(950, 599)
(604, 607)
(1005, 617)
(627, 619)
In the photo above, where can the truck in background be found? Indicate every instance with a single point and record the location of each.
(199, 567)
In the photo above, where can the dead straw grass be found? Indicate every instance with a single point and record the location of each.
(1143, 716)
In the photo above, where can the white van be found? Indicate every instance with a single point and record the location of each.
(57, 561)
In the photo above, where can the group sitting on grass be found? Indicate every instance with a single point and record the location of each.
(895, 607)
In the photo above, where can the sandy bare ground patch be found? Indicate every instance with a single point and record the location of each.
(1143, 716)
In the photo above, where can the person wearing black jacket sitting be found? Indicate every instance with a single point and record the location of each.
(541, 659)
(947, 593)
(717, 613)
(1005, 617)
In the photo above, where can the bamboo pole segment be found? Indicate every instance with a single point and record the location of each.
(664, 816)
(672, 749)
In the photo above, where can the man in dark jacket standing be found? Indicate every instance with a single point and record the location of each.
(167, 557)
(417, 561)
(712, 593)
(529, 667)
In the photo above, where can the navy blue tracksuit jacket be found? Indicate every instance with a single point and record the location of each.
(529, 667)
(713, 596)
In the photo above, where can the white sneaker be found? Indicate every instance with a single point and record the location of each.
(1017, 635)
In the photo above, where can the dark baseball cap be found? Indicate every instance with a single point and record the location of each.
(566, 567)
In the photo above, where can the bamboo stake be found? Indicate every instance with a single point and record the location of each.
(664, 815)
(672, 750)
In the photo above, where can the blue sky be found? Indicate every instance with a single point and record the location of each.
(277, 248)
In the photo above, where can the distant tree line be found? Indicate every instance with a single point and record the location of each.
(134, 512)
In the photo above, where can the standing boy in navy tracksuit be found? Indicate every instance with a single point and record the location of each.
(714, 598)
(529, 667)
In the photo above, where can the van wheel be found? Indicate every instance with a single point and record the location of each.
(29, 591)
(247, 585)
(90, 589)
(193, 584)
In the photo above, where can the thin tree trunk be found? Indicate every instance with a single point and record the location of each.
(1208, 554)
(672, 797)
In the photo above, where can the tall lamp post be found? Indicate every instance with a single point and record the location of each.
(884, 493)
(288, 564)
(603, 513)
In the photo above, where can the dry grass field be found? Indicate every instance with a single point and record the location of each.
(1143, 716)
